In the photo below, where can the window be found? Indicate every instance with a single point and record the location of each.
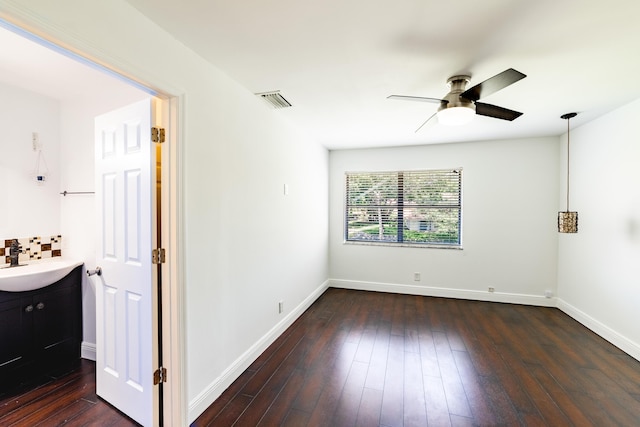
(411, 207)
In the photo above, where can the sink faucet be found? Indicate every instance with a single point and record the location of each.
(14, 251)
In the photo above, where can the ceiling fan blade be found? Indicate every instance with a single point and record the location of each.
(426, 121)
(417, 98)
(493, 84)
(496, 112)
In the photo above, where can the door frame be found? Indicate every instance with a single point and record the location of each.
(173, 349)
(21, 21)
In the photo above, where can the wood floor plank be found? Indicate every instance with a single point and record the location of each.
(365, 346)
(454, 390)
(296, 418)
(100, 415)
(68, 399)
(436, 402)
(369, 409)
(393, 393)
(560, 396)
(545, 406)
(65, 414)
(348, 405)
(273, 386)
(488, 361)
(378, 361)
(223, 400)
(428, 355)
(282, 403)
(38, 410)
(317, 376)
(333, 385)
(415, 408)
(611, 397)
(475, 394)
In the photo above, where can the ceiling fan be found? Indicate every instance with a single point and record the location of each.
(459, 106)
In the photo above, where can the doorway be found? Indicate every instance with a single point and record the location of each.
(79, 230)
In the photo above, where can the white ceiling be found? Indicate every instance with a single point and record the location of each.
(34, 67)
(336, 61)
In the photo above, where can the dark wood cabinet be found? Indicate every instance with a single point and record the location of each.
(40, 330)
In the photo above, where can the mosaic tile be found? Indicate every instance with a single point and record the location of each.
(33, 248)
(56, 242)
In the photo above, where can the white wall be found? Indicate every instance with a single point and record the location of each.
(599, 267)
(246, 245)
(28, 208)
(509, 214)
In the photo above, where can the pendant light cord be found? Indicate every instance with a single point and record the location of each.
(568, 142)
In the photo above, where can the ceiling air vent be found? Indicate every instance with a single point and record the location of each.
(274, 99)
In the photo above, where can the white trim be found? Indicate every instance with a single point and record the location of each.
(431, 291)
(207, 396)
(88, 350)
(620, 341)
(23, 17)
(173, 351)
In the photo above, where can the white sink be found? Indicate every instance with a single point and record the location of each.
(36, 275)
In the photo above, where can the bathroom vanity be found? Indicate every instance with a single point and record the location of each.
(40, 330)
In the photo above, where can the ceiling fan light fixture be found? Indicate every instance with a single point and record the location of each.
(455, 116)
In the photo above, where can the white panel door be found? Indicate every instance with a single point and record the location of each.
(124, 292)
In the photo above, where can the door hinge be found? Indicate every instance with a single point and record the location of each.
(158, 256)
(160, 376)
(157, 134)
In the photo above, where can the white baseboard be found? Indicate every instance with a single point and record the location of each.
(620, 341)
(88, 350)
(430, 291)
(205, 398)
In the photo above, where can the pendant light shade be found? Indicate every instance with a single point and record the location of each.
(567, 220)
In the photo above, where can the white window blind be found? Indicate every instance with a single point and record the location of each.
(408, 207)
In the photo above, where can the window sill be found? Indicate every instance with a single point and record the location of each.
(404, 245)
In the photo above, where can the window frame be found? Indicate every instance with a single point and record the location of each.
(401, 207)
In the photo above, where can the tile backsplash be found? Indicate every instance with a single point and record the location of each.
(33, 248)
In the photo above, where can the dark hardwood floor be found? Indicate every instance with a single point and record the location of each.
(68, 400)
(374, 359)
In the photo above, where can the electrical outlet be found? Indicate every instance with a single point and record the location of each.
(280, 306)
(416, 277)
(492, 289)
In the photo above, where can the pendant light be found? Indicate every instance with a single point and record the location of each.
(567, 220)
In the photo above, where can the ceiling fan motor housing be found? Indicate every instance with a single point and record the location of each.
(457, 85)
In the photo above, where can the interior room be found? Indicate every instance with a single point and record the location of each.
(258, 192)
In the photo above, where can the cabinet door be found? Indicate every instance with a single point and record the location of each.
(16, 324)
(56, 325)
